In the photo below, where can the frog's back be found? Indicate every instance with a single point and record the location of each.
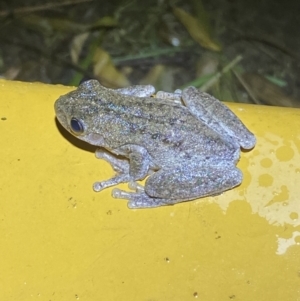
(152, 115)
(166, 129)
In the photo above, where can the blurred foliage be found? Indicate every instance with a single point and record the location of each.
(168, 44)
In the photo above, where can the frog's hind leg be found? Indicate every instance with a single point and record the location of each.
(183, 183)
(174, 186)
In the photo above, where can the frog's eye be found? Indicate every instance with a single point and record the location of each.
(77, 127)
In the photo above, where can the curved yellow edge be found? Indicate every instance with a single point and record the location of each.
(62, 241)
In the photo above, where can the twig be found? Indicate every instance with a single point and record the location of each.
(215, 78)
(246, 87)
(148, 54)
(31, 9)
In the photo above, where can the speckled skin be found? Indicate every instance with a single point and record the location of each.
(188, 142)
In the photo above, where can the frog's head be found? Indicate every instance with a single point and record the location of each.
(79, 111)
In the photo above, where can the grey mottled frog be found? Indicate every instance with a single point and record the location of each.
(186, 143)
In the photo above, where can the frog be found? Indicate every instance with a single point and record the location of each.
(185, 144)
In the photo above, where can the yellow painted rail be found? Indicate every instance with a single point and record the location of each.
(59, 240)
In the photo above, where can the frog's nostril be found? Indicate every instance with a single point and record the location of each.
(76, 126)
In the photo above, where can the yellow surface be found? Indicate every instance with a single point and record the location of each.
(62, 241)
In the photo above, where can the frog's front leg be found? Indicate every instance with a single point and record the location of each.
(120, 166)
(140, 161)
(136, 167)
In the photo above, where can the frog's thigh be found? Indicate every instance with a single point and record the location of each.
(185, 184)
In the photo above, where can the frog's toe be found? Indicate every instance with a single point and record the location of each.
(135, 199)
(99, 186)
(120, 194)
(119, 178)
(136, 186)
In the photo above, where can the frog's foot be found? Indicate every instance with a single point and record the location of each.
(173, 97)
(139, 199)
(138, 90)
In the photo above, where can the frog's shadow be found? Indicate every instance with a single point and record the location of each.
(73, 140)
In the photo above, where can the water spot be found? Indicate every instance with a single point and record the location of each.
(195, 295)
(255, 152)
(284, 153)
(285, 243)
(294, 216)
(265, 180)
(280, 196)
(167, 260)
(266, 162)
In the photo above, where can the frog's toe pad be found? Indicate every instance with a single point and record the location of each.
(97, 186)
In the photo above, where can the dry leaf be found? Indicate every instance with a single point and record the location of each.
(197, 30)
(153, 75)
(268, 92)
(161, 77)
(105, 70)
(76, 46)
(207, 64)
(11, 73)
